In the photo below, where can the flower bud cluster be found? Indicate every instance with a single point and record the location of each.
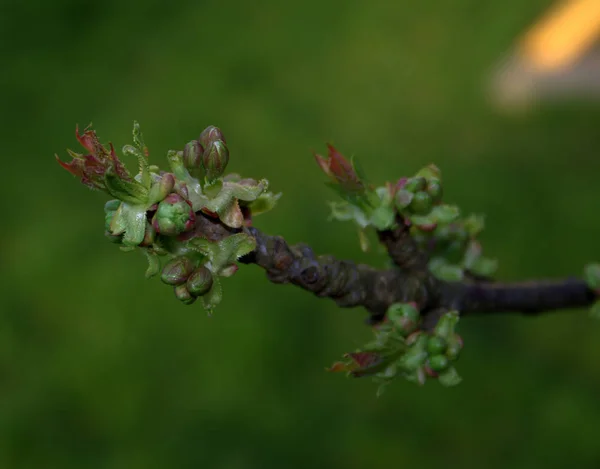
(401, 348)
(189, 279)
(208, 155)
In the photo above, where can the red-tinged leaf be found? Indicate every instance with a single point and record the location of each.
(338, 367)
(75, 167)
(88, 140)
(120, 169)
(429, 372)
(92, 167)
(324, 165)
(209, 212)
(365, 359)
(87, 168)
(341, 168)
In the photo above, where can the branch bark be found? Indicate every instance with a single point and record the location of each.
(402, 248)
(529, 298)
(350, 284)
(347, 283)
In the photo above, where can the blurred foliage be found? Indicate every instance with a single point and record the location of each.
(100, 368)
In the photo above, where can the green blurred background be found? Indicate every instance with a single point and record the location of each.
(100, 368)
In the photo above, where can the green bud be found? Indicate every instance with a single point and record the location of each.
(209, 135)
(446, 324)
(200, 282)
(415, 184)
(430, 172)
(436, 345)
(183, 295)
(434, 189)
(403, 198)
(438, 363)
(177, 271)
(421, 203)
(404, 316)
(192, 155)
(173, 216)
(215, 159)
(161, 188)
(455, 345)
(416, 355)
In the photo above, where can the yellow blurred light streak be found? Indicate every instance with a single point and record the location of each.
(563, 35)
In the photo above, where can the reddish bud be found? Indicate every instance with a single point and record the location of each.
(215, 159)
(183, 295)
(177, 271)
(200, 282)
(209, 135)
(339, 170)
(192, 155)
(173, 216)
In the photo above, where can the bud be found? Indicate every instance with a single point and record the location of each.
(416, 355)
(446, 324)
(404, 316)
(209, 135)
(340, 171)
(200, 282)
(215, 159)
(192, 155)
(173, 216)
(430, 172)
(455, 345)
(183, 295)
(438, 362)
(161, 188)
(403, 198)
(415, 184)
(436, 345)
(434, 189)
(421, 203)
(177, 271)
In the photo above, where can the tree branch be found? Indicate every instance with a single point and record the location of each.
(402, 248)
(350, 284)
(529, 298)
(347, 283)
